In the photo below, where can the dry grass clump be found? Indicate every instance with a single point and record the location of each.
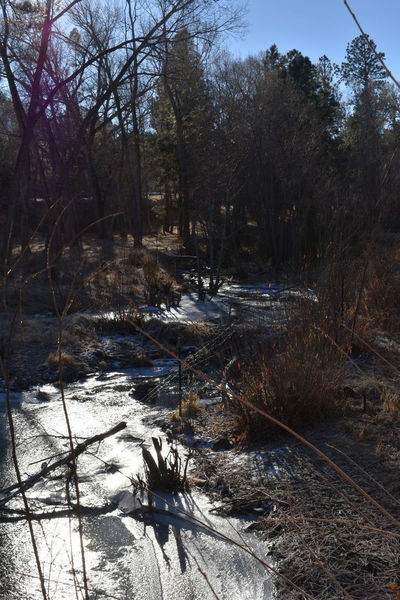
(189, 407)
(141, 360)
(137, 257)
(391, 400)
(66, 359)
(165, 472)
(136, 278)
(298, 384)
(121, 321)
(176, 334)
(332, 547)
(116, 284)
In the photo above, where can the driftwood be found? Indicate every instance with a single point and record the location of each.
(12, 491)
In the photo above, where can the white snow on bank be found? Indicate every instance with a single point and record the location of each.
(191, 309)
(274, 291)
(220, 307)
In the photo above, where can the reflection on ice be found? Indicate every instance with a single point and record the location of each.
(142, 555)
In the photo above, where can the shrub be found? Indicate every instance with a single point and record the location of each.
(381, 299)
(137, 257)
(298, 384)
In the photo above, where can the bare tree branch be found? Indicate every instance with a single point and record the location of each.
(14, 490)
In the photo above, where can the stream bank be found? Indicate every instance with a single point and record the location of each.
(275, 482)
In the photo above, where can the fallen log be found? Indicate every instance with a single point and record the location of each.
(12, 491)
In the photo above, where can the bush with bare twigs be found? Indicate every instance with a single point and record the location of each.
(158, 286)
(297, 384)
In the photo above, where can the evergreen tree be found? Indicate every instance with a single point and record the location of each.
(362, 66)
(185, 88)
(364, 74)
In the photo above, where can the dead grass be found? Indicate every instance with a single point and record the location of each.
(135, 277)
(189, 408)
(322, 546)
(176, 333)
(158, 286)
(54, 358)
(381, 299)
(321, 534)
(33, 351)
(391, 401)
(298, 383)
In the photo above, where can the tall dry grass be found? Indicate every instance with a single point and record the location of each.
(298, 384)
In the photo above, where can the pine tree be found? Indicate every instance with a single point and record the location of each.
(362, 66)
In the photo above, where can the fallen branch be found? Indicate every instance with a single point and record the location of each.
(13, 490)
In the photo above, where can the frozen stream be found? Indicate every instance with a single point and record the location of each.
(157, 557)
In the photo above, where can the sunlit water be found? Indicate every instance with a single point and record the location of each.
(269, 305)
(128, 557)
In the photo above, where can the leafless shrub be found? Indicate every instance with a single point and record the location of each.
(297, 384)
(159, 286)
(361, 294)
(381, 298)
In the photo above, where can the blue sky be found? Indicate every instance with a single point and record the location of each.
(317, 27)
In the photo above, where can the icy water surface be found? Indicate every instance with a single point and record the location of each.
(263, 304)
(160, 556)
